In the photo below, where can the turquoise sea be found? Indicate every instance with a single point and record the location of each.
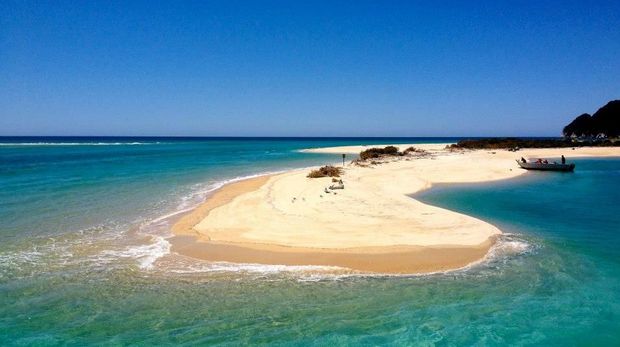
(84, 258)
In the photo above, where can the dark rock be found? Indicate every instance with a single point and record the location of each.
(605, 121)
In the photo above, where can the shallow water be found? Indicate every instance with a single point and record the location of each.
(83, 256)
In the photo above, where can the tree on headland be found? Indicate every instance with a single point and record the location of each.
(600, 129)
(603, 123)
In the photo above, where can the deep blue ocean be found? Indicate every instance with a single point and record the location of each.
(84, 258)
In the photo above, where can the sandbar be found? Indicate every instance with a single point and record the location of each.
(373, 225)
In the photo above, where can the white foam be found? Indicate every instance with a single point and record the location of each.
(194, 199)
(17, 144)
(13, 258)
(509, 245)
(158, 229)
(269, 269)
(188, 266)
(146, 255)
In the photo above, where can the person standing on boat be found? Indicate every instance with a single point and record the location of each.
(563, 159)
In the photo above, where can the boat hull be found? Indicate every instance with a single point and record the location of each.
(547, 167)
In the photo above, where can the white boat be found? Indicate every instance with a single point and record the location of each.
(546, 167)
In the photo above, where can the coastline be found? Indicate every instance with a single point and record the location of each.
(372, 226)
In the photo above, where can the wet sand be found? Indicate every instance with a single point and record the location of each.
(394, 259)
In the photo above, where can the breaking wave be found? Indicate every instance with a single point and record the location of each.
(145, 254)
(17, 144)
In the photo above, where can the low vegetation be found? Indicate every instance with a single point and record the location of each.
(374, 155)
(326, 171)
(516, 143)
(376, 152)
(602, 129)
(412, 150)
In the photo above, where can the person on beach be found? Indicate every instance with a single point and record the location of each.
(563, 159)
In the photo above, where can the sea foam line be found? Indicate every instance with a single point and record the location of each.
(146, 254)
(140, 252)
(203, 193)
(17, 144)
(507, 246)
(209, 267)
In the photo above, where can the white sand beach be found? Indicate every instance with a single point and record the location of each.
(370, 225)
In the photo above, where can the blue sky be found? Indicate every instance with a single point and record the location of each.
(305, 68)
